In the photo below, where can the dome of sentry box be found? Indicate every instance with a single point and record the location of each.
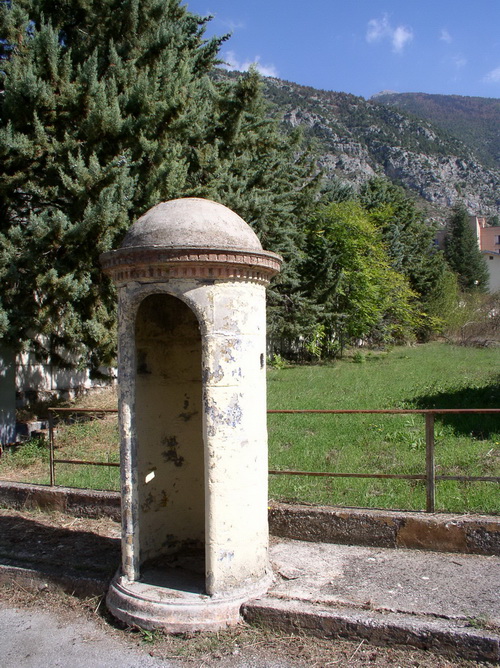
(190, 237)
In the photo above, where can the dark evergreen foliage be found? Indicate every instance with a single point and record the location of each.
(107, 108)
(462, 252)
(409, 238)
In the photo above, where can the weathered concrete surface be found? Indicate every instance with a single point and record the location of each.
(447, 602)
(406, 581)
(191, 278)
(78, 502)
(7, 397)
(441, 601)
(473, 534)
(197, 222)
(440, 636)
(51, 579)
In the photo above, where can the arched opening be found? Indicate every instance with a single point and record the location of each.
(170, 450)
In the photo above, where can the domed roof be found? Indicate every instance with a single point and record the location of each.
(190, 238)
(191, 222)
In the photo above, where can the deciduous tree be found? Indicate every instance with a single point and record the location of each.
(351, 279)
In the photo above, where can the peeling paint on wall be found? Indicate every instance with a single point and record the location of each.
(170, 454)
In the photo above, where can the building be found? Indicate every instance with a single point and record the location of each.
(488, 239)
(24, 380)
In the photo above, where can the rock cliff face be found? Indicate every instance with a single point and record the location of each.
(356, 139)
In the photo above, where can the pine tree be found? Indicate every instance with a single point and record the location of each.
(107, 108)
(462, 252)
(271, 180)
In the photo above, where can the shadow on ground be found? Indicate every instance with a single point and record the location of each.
(27, 543)
(479, 426)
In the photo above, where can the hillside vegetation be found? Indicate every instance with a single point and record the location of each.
(473, 120)
(442, 162)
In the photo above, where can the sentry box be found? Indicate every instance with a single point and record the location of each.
(191, 278)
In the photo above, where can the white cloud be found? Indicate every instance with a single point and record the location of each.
(232, 63)
(401, 37)
(232, 25)
(493, 76)
(445, 36)
(379, 30)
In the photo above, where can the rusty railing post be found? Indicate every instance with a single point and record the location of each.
(430, 469)
(51, 449)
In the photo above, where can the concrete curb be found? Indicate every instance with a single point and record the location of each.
(445, 636)
(440, 532)
(469, 534)
(40, 579)
(78, 502)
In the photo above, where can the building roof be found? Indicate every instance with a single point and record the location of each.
(190, 238)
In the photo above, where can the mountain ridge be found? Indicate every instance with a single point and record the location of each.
(474, 120)
(357, 139)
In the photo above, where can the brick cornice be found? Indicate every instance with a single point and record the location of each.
(156, 264)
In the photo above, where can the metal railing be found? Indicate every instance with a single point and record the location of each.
(429, 476)
(52, 458)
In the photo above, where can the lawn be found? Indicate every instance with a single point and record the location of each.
(434, 375)
(427, 376)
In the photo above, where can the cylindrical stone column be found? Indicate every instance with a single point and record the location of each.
(191, 277)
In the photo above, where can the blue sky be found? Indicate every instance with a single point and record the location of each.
(365, 46)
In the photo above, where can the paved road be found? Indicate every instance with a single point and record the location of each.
(38, 639)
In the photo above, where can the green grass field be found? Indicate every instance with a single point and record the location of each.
(428, 376)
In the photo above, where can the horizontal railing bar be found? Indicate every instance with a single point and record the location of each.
(83, 410)
(390, 411)
(81, 461)
(397, 476)
(465, 478)
(350, 475)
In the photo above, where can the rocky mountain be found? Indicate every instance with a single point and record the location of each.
(473, 120)
(356, 139)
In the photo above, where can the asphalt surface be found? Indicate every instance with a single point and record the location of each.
(36, 639)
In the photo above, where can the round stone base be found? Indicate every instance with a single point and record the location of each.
(155, 602)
